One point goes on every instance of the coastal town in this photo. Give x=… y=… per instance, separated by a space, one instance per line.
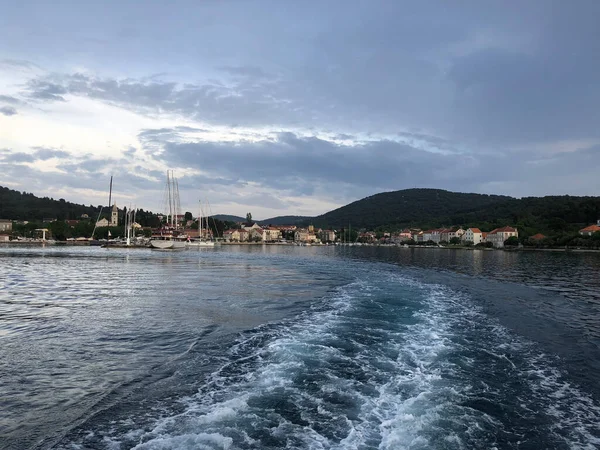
x=250 y=232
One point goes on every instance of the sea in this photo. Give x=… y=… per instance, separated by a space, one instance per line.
x=285 y=347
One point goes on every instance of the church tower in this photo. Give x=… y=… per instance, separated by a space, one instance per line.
x=114 y=218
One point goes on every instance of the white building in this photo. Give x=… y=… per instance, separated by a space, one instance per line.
x=5 y=225
x=499 y=235
x=473 y=235
x=102 y=223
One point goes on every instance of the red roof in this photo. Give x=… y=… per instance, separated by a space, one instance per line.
x=537 y=237
x=475 y=230
x=592 y=228
x=503 y=230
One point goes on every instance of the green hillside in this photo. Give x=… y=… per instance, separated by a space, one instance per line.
x=286 y=220
x=17 y=205
x=228 y=218
x=433 y=208
x=409 y=207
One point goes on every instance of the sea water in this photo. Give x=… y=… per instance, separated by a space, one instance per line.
x=274 y=347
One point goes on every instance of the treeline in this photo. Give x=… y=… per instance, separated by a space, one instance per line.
x=15 y=205
x=23 y=206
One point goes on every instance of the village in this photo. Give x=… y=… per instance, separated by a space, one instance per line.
x=250 y=232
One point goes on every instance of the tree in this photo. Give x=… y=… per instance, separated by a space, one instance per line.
x=455 y=241
x=248 y=217
x=512 y=241
x=188 y=216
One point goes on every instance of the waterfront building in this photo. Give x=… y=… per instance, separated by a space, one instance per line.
x=327 y=235
x=272 y=234
x=588 y=231
x=499 y=235
x=5 y=225
x=473 y=235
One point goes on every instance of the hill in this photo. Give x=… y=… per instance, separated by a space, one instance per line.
x=228 y=218
x=17 y=205
x=286 y=220
x=407 y=207
x=433 y=208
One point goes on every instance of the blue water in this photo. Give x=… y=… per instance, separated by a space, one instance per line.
x=303 y=347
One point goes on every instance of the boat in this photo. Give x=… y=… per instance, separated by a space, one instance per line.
x=205 y=236
x=170 y=236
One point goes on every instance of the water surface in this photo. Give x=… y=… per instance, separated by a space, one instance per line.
x=298 y=347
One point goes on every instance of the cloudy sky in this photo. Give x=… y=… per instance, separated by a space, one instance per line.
x=280 y=107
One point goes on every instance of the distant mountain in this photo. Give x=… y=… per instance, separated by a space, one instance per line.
x=286 y=220
x=229 y=218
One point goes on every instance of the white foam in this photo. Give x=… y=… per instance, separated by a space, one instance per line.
x=402 y=389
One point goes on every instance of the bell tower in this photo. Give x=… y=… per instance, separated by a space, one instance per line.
x=114 y=218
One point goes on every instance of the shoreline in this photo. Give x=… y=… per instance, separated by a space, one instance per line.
x=292 y=244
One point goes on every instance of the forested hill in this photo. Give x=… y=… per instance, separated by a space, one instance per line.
x=406 y=207
x=432 y=208
x=17 y=205
x=286 y=220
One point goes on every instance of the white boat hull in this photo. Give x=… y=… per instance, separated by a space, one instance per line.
x=167 y=244
x=201 y=244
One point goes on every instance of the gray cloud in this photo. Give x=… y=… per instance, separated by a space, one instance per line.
x=472 y=97
x=42 y=153
x=7 y=156
x=9 y=99
x=39 y=89
x=8 y=110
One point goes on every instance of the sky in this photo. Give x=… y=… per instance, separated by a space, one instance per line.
x=280 y=107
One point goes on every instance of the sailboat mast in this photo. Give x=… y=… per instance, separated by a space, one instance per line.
x=110 y=192
x=176 y=202
x=169 y=199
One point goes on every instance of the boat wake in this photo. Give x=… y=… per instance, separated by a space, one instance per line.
x=383 y=362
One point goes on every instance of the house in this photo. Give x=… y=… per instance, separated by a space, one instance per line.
x=71 y=222
x=304 y=235
x=327 y=235
x=499 y=235
x=231 y=235
x=473 y=235
x=272 y=234
x=257 y=234
x=427 y=235
x=244 y=235
x=367 y=236
x=4 y=238
x=537 y=237
x=405 y=235
x=102 y=222
x=301 y=235
x=5 y=225
x=588 y=231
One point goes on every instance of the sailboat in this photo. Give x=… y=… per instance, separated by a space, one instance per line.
x=203 y=231
x=170 y=236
